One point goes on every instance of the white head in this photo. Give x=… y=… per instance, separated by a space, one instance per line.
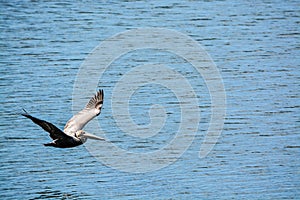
x=83 y=136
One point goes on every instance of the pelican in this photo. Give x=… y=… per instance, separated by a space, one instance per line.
x=73 y=135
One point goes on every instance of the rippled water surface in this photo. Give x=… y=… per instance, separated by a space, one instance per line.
x=256 y=48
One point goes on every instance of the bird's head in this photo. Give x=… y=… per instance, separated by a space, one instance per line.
x=83 y=136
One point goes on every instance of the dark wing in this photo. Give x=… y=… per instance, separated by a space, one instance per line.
x=55 y=133
x=91 y=110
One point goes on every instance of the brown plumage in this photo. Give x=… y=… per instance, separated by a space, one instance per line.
x=73 y=135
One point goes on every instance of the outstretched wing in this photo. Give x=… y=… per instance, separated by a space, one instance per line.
x=91 y=110
x=55 y=133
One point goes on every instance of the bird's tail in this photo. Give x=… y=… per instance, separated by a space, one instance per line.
x=50 y=144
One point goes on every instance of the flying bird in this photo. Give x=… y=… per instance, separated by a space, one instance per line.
x=73 y=135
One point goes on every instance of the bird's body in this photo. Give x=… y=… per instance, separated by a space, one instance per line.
x=73 y=135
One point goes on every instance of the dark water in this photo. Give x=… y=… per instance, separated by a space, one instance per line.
x=256 y=48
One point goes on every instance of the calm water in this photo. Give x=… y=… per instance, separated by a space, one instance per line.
x=256 y=48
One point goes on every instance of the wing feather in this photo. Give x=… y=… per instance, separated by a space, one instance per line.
x=55 y=133
x=91 y=110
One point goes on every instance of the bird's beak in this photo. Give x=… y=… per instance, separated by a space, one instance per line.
x=94 y=137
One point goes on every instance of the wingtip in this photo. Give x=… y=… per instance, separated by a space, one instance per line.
x=25 y=113
x=96 y=100
x=101 y=91
x=100 y=94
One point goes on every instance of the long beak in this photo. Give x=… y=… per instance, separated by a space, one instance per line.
x=94 y=137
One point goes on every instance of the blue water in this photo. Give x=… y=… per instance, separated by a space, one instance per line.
x=255 y=45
